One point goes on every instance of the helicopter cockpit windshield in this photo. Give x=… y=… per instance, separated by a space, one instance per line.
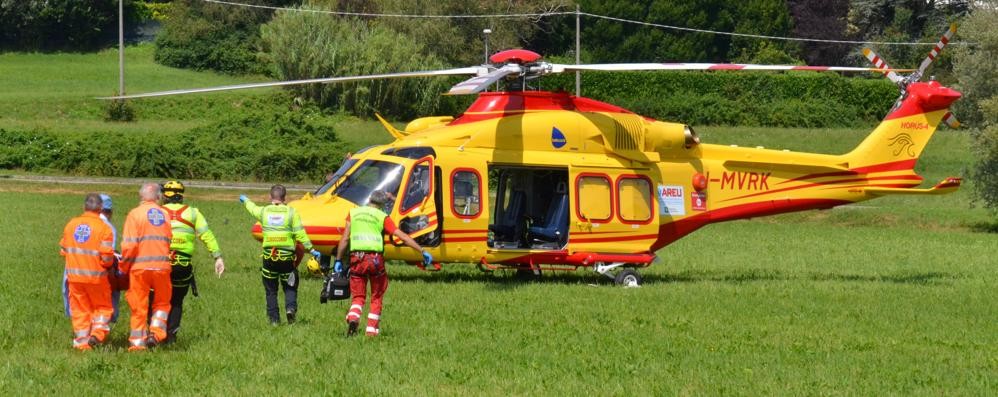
x=371 y=175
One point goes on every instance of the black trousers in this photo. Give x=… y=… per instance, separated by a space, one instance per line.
x=283 y=273
x=181 y=276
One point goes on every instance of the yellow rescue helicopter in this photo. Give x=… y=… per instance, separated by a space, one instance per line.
x=537 y=180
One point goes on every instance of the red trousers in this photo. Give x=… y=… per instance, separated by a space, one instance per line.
x=367 y=267
x=90 y=309
x=140 y=282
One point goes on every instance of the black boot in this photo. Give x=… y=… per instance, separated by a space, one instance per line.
x=352 y=328
x=291 y=316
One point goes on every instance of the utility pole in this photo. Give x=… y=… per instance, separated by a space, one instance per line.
x=121 y=48
x=486 y=32
x=578 y=76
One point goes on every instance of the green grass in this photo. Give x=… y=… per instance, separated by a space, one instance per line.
x=894 y=297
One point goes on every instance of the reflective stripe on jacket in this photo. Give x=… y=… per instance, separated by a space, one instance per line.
x=281 y=227
x=146 y=238
x=88 y=245
x=367 y=225
x=188 y=223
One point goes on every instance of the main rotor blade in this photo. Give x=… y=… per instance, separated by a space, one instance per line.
x=557 y=68
x=478 y=83
x=937 y=49
x=882 y=65
x=444 y=72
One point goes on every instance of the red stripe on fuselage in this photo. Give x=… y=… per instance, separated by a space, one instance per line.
x=892 y=166
x=835 y=182
x=574 y=239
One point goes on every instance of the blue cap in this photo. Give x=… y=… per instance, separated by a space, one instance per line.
x=107 y=201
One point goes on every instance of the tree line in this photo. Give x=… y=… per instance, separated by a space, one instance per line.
x=292 y=45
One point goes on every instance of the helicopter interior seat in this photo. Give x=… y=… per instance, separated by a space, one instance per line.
x=509 y=226
x=554 y=228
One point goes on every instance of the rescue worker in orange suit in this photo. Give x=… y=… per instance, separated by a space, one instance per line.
x=88 y=246
x=282 y=230
x=364 y=230
x=187 y=224
x=107 y=210
x=145 y=257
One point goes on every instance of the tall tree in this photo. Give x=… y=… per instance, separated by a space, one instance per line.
x=975 y=67
x=63 y=25
x=221 y=37
x=605 y=40
x=821 y=19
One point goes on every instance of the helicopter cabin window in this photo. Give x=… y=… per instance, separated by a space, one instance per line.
x=466 y=193
x=634 y=199
x=417 y=188
x=593 y=198
x=531 y=208
x=369 y=176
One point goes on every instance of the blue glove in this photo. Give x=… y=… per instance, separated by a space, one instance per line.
x=338 y=266
x=243 y=198
x=427 y=258
x=316 y=254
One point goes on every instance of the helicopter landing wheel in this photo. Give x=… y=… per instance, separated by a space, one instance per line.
x=628 y=278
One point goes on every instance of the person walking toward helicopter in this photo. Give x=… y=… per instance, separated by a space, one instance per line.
x=364 y=232
x=282 y=230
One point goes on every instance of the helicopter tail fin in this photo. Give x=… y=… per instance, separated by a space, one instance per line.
x=900 y=138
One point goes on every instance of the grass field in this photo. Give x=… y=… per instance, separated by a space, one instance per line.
x=55 y=92
x=895 y=296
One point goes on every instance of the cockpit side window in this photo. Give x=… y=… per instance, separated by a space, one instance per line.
x=417 y=188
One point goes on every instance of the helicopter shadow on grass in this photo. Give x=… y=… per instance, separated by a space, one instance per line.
x=985 y=227
x=506 y=279
x=763 y=275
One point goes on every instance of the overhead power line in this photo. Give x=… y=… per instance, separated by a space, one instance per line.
x=757 y=36
x=367 y=14
x=556 y=13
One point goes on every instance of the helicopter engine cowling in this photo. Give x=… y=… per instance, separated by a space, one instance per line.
x=668 y=139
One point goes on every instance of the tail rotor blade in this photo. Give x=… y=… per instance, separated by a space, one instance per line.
x=937 y=49
x=951 y=120
x=882 y=65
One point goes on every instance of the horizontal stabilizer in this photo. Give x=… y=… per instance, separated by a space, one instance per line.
x=948 y=185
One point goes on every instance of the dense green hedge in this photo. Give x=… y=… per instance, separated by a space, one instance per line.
x=800 y=99
x=255 y=146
